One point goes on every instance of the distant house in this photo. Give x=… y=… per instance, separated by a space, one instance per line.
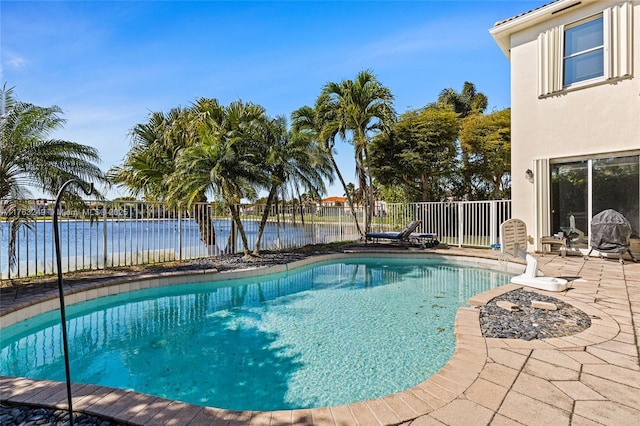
x=333 y=201
x=575 y=105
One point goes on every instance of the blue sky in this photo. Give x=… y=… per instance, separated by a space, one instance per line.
x=108 y=64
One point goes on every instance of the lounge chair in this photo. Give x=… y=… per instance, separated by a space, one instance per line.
x=513 y=242
x=402 y=236
x=424 y=239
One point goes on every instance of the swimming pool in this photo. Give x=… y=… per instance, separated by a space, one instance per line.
x=325 y=334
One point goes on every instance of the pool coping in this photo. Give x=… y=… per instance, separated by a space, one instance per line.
x=432 y=399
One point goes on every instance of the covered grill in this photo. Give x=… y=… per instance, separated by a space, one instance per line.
x=610 y=233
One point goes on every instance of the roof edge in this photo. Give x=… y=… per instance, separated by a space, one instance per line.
x=502 y=30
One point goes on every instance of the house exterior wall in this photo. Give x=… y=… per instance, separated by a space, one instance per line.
x=598 y=119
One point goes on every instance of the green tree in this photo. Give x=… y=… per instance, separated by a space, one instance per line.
x=293 y=159
x=465 y=103
x=351 y=190
x=152 y=158
x=486 y=144
x=361 y=109
x=29 y=157
x=226 y=161
x=468 y=101
x=418 y=154
x=317 y=122
x=394 y=194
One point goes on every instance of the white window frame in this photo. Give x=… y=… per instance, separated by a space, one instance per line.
x=583 y=52
x=618 y=51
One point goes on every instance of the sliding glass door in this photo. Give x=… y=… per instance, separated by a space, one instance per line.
x=584 y=188
x=616 y=185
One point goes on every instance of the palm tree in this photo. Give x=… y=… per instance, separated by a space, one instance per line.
x=225 y=161
x=362 y=107
x=30 y=158
x=152 y=160
x=351 y=190
x=317 y=123
x=293 y=158
x=468 y=101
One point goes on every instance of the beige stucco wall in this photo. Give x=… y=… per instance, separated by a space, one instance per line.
x=593 y=120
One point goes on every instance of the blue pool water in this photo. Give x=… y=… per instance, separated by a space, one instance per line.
x=327 y=334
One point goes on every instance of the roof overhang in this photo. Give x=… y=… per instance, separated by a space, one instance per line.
x=502 y=31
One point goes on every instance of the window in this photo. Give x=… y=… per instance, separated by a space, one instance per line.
x=583 y=51
x=598 y=48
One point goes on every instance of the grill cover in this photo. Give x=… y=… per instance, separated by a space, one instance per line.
x=610 y=232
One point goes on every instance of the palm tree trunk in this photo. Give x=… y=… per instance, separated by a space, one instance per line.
x=301 y=208
x=202 y=213
x=349 y=198
x=369 y=192
x=235 y=214
x=263 y=221
x=279 y=245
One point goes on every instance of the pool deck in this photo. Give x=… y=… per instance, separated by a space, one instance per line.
x=590 y=378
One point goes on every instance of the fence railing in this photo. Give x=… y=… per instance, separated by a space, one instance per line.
x=459 y=223
x=116 y=234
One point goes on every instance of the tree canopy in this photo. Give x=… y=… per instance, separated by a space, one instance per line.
x=418 y=154
x=450 y=149
x=230 y=153
x=359 y=109
x=486 y=143
x=29 y=157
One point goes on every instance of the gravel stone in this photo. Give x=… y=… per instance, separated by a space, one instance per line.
x=528 y=322
x=23 y=415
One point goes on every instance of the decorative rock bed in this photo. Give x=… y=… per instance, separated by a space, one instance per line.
x=512 y=316
x=26 y=415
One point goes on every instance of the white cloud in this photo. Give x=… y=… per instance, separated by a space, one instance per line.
x=12 y=60
x=458 y=34
x=16 y=61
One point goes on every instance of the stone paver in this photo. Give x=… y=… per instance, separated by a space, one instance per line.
x=607 y=412
x=542 y=390
x=487 y=394
x=591 y=378
x=463 y=412
x=530 y=411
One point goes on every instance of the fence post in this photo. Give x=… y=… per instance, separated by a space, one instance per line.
x=313 y=225
x=460 y=223
x=104 y=235
x=234 y=235
x=494 y=222
x=179 y=234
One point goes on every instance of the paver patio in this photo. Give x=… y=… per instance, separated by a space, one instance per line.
x=589 y=378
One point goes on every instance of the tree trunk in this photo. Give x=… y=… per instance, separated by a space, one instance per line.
x=235 y=214
x=265 y=217
x=369 y=193
x=301 y=208
x=349 y=198
x=202 y=217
